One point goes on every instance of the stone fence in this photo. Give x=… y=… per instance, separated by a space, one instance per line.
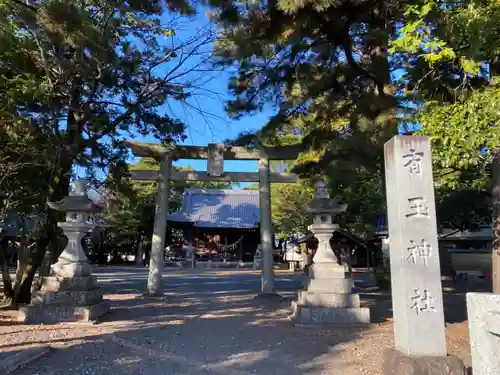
x=483 y=310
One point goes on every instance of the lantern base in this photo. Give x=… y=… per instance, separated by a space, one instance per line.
x=37 y=314
x=65 y=299
x=328 y=299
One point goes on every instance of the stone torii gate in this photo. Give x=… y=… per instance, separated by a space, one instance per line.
x=215 y=154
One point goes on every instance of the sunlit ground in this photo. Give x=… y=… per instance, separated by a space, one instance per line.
x=210 y=322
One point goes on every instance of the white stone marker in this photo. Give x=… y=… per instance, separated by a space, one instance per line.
x=417 y=298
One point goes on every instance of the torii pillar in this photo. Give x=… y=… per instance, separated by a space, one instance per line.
x=156 y=262
x=266 y=228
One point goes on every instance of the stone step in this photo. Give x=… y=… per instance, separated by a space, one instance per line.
x=56 y=283
x=309 y=299
x=32 y=314
x=67 y=297
x=344 y=317
x=337 y=285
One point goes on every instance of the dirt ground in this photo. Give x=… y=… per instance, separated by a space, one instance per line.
x=310 y=350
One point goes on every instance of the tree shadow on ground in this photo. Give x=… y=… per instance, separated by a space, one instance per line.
x=212 y=324
x=203 y=329
x=455 y=307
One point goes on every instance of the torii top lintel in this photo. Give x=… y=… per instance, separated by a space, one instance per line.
x=157 y=151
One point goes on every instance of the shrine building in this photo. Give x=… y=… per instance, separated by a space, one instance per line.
x=219 y=224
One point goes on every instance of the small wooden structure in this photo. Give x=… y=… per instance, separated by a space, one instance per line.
x=218 y=224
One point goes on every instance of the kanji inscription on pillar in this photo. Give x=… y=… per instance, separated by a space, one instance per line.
x=215 y=159
x=418 y=207
x=422 y=302
x=419 y=252
x=413 y=161
x=417 y=298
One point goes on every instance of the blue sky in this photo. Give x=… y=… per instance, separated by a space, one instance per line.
x=204 y=115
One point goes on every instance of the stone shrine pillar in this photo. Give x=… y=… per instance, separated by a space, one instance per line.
x=257 y=259
x=327 y=297
x=266 y=228
x=417 y=299
x=70 y=293
x=157 y=261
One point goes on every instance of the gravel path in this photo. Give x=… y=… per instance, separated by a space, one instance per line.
x=210 y=323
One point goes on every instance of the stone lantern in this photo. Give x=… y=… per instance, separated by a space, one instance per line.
x=324 y=210
x=328 y=296
x=70 y=293
x=257 y=258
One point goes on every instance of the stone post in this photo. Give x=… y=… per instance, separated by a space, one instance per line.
x=156 y=261
x=266 y=227
x=417 y=299
x=257 y=258
x=483 y=312
x=328 y=298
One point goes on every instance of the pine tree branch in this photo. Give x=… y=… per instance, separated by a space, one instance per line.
x=25 y=5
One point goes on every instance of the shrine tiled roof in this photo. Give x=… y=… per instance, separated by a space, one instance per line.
x=219 y=208
x=380 y=225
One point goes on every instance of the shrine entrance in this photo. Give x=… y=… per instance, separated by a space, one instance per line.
x=217 y=225
x=215 y=154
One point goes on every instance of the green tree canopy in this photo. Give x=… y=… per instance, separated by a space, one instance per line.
x=80 y=77
x=348 y=75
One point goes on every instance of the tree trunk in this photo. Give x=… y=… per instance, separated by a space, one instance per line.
x=49 y=235
x=23 y=255
x=140 y=252
x=8 y=291
x=495 y=199
x=19 y=277
x=147 y=255
x=29 y=270
x=378 y=46
x=495 y=166
x=46 y=263
x=50 y=256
